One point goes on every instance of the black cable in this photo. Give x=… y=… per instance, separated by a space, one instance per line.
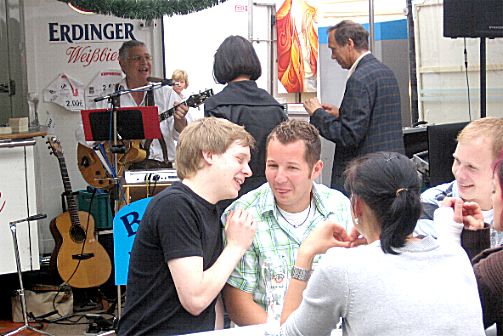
x=68 y=195
x=85 y=238
x=60 y=289
x=467 y=82
x=155 y=178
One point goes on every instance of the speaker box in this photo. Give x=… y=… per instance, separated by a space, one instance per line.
x=473 y=18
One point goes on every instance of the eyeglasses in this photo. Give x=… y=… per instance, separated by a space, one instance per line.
x=138 y=58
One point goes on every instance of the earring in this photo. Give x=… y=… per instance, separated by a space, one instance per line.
x=357 y=222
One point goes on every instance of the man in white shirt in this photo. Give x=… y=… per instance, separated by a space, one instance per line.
x=136 y=62
x=479 y=144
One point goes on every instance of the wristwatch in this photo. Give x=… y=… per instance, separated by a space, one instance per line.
x=300 y=273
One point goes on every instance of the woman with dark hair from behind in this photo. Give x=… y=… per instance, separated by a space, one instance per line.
x=394 y=285
x=241 y=101
x=466 y=225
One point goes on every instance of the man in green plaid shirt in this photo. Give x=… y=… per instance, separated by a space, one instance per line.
x=286 y=209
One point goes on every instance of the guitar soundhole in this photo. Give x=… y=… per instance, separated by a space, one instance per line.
x=78 y=234
x=85 y=162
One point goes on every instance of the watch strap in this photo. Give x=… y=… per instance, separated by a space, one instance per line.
x=301 y=274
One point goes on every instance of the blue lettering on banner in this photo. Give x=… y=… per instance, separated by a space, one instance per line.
x=126 y=223
x=77 y=33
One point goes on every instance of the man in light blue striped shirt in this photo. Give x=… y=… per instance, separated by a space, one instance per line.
x=286 y=209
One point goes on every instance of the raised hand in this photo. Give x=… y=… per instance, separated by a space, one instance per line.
x=468 y=213
x=472 y=216
x=311 y=105
x=240 y=228
x=324 y=236
x=331 y=109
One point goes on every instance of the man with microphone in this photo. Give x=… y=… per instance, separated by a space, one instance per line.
x=136 y=63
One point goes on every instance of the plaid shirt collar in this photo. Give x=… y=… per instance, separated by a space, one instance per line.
x=268 y=205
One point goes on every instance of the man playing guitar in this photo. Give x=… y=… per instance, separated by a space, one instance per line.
x=136 y=63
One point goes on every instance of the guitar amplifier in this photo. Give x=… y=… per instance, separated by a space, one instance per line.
x=150 y=176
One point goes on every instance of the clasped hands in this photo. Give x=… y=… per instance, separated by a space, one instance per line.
x=330 y=234
x=467 y=213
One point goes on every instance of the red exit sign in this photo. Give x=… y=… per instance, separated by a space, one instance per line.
x=240 y=8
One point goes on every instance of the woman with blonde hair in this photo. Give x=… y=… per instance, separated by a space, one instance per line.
x=182 y=78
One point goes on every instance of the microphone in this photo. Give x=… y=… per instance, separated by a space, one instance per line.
x=163 y=81
x=31 y=218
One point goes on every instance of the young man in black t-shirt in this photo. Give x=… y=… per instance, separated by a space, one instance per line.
x=178 y=263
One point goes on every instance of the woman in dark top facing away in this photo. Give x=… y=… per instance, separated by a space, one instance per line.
x=236 y=64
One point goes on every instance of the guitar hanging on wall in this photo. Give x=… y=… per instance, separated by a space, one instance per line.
x=80 y=259
x=93 y=168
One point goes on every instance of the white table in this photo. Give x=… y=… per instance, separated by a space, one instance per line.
x=255 y=330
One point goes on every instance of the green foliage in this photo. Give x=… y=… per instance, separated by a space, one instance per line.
x=143 y=9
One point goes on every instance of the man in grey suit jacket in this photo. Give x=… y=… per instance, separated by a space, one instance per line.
x=369 y=118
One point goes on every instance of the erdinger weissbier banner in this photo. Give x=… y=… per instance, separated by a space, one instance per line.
x=297 y=29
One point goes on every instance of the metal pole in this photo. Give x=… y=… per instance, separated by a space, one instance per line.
x=371 y=25
x=250 y=20
x=21 y=291
x=482 y=77
x=18 y=265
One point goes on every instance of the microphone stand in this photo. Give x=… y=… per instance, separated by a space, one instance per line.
x=13 y=229
x=118 y=93
x=114 y=99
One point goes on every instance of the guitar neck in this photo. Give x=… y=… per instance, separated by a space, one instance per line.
x=193 y=101
x=166 y=114
x=70 y=198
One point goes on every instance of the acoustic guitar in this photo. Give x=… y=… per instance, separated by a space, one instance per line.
x=80 y=259
x=91 y=167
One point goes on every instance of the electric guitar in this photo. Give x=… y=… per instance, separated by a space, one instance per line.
x=80 y=259
x=92 y=168
x=193 y=101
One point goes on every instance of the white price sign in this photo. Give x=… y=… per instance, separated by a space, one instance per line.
x=102 y=84
x=66 y=92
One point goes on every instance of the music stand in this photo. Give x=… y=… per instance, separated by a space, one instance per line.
x=133 y=123
x=128 y=123
x=25 y=326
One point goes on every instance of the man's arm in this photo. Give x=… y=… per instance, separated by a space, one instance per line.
x=179 y=115
x=430 y=201
x=351 y=126
x=180 y=121
x=324 y=236
x=196 y=288
x=241 y=307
